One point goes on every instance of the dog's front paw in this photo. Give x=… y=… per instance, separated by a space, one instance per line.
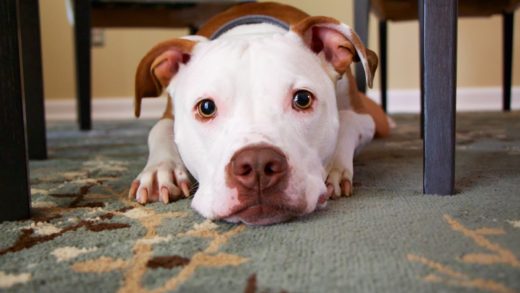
x=165 y=181
x=341 y=181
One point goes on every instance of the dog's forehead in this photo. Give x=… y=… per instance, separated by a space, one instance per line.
x=261 y=63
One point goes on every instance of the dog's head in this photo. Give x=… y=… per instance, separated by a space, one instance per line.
x=256 y=119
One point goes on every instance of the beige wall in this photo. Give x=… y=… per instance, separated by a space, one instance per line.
x=113 y=66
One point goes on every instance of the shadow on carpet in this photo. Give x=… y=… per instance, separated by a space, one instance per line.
x=85 y=236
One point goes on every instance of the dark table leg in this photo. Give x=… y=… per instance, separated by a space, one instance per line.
x=33 y=78
x=83 y=74
x=440 y=57
x=383 y=51
x=508 y=25
x=14 y=174
x=361 y=13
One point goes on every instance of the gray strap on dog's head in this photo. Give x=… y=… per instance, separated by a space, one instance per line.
x=249 y=19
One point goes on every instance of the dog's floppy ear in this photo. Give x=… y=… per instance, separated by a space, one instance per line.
x=158 y=67
x=339 y=43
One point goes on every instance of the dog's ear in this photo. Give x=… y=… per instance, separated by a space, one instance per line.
x=338 y=42
x=373 y=61
x=158 y=67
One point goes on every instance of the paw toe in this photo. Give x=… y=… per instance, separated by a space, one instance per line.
x=133 y=189
x=142 y=195
x=346 y=187
x=341 y=184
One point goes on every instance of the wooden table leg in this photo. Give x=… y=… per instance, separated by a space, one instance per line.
x=83 y=67
x=33 y=78
x=361 y=13
x=14 y=174
x=440 y=57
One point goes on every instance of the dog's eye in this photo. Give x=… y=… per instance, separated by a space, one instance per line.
x=207 y=109
x=302 y=100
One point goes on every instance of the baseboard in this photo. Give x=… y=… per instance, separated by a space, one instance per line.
x=399 y=101
x=113 y=108
x=468 y=99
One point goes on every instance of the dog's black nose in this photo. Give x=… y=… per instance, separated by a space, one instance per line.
x=259 y=167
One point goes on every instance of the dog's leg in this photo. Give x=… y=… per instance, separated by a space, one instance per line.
x=164 y=177
x=354 y=132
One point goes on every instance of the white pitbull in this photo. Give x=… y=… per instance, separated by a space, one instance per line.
x=267 y=115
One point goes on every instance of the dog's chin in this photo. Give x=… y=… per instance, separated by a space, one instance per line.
x=261 y=214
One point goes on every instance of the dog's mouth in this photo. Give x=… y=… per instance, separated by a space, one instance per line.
x=262 y=214
x=269 y=212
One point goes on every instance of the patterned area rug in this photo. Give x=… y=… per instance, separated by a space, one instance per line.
x=85 y=236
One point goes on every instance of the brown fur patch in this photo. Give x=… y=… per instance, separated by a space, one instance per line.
x=364 y=105
x=286 y=13
x=146 y=83
x=303 y=27
x=167 y=262
x=168 y=112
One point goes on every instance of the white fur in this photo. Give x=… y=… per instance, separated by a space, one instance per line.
x=356 y=131
x=254 y=106
x=163 y=161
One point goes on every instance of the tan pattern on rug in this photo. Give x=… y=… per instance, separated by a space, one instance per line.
x=499 y=255
x=85 y=236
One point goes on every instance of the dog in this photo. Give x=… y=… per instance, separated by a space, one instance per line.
x=263 y=112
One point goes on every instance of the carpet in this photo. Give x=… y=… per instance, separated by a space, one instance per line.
x=85 y=236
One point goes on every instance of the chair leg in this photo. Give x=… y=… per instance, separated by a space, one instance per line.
x=193 y=29
x=33 y=78
x=383 y=50
x=508 y=25
x=361 y=12
x=14 y=174
x=421 y=64
x=83 y=74
x=440 y=57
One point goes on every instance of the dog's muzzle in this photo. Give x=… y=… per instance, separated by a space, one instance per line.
x=260 y=174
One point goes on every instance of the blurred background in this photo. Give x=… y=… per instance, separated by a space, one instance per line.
x=115 y=59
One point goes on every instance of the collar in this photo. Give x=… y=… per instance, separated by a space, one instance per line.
x=249 y=19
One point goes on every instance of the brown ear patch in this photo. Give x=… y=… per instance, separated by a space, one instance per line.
x=337 y=50
x=302 y=27
x=373 y=61
x=158 y=67
x=339 y=43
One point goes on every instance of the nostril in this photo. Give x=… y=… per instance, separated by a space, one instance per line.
x=272 y=168
x=244 y=170
x=258 y=167
x=268 y=170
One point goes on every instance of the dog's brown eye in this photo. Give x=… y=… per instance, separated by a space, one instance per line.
x=302 y=100
x=207 y=108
